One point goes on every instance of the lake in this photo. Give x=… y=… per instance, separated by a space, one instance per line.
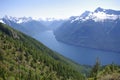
x=80 y=55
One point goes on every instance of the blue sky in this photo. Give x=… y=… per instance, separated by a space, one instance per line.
x=53 y=8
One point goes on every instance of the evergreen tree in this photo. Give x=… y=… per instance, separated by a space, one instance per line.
x=95 y=69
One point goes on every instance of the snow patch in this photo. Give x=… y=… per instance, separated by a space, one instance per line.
x=2 y=21
x=23 y=19
x=97 y=17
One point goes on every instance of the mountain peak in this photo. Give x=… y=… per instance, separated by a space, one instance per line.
x=85 y=14
x=99 y=9
x=8 y=17
x=100 y=14
x=107 y=11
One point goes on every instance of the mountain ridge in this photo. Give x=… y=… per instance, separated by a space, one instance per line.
x=98 y=15
x=94 y=30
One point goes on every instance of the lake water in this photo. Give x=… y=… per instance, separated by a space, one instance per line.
x=80 y=55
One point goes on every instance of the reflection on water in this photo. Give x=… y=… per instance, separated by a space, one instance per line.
x=78 y=54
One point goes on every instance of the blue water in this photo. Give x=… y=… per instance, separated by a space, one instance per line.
x=80 y=55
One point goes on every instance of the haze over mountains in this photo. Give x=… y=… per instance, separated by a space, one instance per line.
x=98 y=29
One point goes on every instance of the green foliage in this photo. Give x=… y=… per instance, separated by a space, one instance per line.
x=95 y=70
x=108 y=72
x=24 y=58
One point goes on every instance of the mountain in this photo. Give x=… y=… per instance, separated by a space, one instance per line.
x=98 y=29
x=11 y=21
x=24 y=58
x=52 y=24
x=17 y=20
x=34 y=27
x=26 y=25
x=30 y=26
x=107 y=11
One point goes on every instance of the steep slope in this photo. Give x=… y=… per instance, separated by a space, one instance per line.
x=23 y=58
x=13 y=24
x=98 y=29
x=52 y=24
x=34 y=27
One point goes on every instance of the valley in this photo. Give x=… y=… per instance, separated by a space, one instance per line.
x=81 y=55
x=81 y=38
x=85 y=47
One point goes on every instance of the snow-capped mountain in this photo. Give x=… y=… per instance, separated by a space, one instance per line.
x=2 y=21
x=26 y=25
x=32 y=26
x=49 y=23
x=23 y=19
x=12 y=21
x=99 y=29
x=98 y=15
x=16 y=20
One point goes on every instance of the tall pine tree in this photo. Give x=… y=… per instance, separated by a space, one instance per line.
x=95 y=69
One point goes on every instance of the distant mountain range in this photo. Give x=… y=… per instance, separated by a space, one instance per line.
x=31 y=26
x=25 y=25
x=99 y=29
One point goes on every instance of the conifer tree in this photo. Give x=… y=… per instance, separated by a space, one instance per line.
x=95 y=69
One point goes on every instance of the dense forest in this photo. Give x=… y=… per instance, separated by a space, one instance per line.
x=24 y=58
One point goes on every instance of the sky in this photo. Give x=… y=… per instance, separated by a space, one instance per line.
x=53 y=8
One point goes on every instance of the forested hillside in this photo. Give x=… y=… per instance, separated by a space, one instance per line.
x=23 y=58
